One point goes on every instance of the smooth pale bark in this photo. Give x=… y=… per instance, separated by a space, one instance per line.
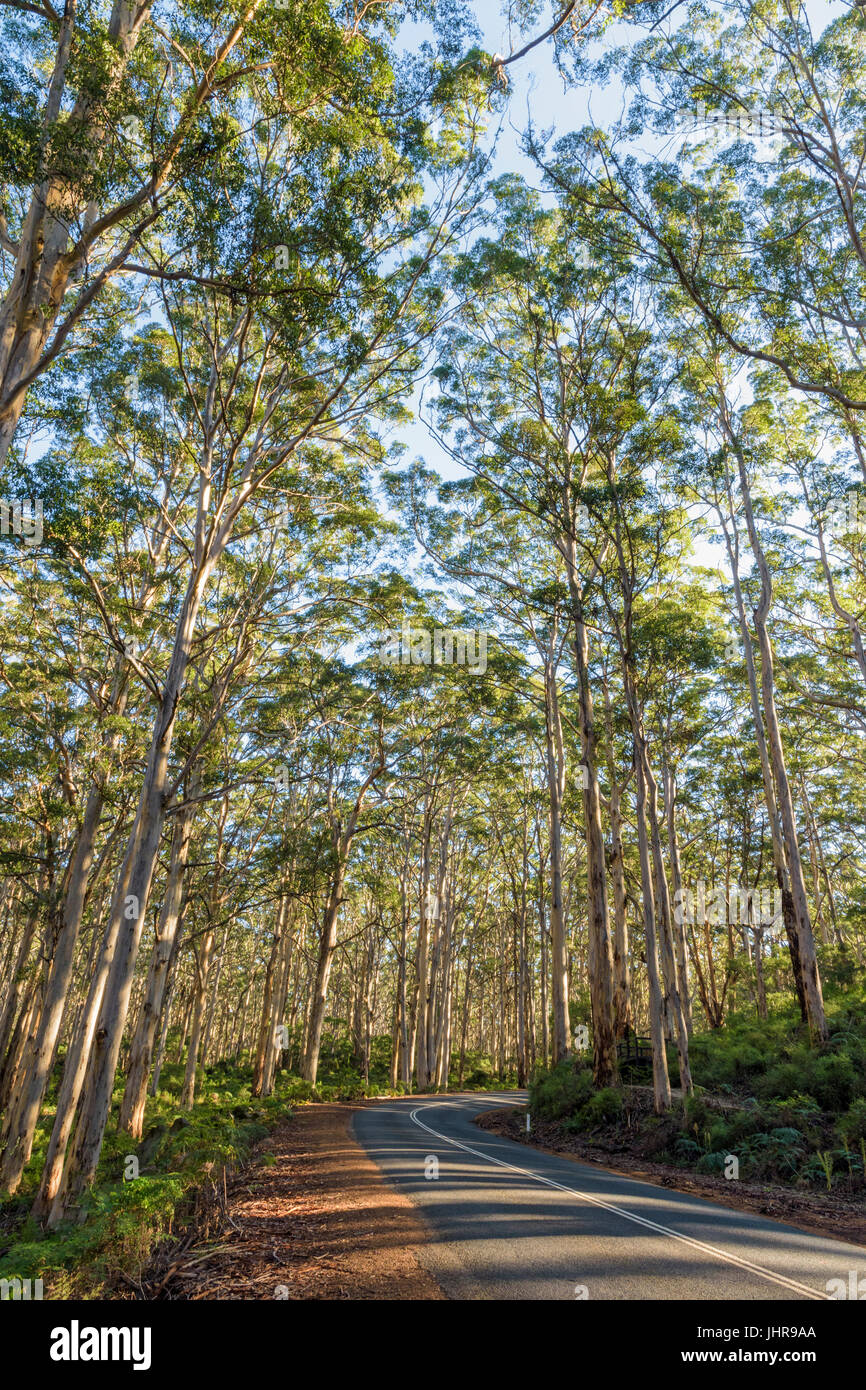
x=780 y=863
x=212 y=1012
x=443 y=1036
x=20 y=983
x=555 y=768
x=268 y=1023
x=328 y=938
x=543 y=953
x=464 y=1030
x=678 y=928
x=202 y=959
x=405 y=1062
x=663 y=988
x=166 y=1021
x=128 y=909
x=327 y=947
x=805 y=939
x=394 y=1065
x=10 y=893
x=164 y=947
x=673 y=996
x=422 y=1068
x=45 y=262
x=22 y=1034
x=75 y=1069
x=58 y=990
x=273 y=1003
x=135 y=877
x=623 y=1019
x=815 y=858
x=600 y=947
x=438 y=918
x=661 y=1079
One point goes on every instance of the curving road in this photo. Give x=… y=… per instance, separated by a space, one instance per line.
x=509 y=1222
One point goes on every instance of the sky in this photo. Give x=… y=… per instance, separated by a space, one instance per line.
x=537 y=92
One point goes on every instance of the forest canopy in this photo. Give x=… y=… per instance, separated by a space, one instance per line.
x=432 y=569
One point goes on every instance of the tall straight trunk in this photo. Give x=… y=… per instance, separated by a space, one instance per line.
x=779 y=854
x=213 y=1011
x=814 y=844
x=413 y=1030
x=48 y=1204
x=805 y=941
x=432 y=983
x=20 y=982
x=758 y=940
x=422 y=969
x=520 y=993
x=128 y=909
x=616 y=866
x=394 y=1065
x=438 y=944
x=405 y=1066
x=202 y=964
x=600 y=947
x=23 y=1116
x=10 y=895
x=678 y=928
x=166 y=1023
x=328 y=939
x=78 y=884
x=661 y=1080
x=665 y=922
x=22 y=1034
x=555 y=791
x=464 y=1028
x=165 y=945
x=274 y=1049
x=268 y=1022
x=543 y=957
x=327 y=947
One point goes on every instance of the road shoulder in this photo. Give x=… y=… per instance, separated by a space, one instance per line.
x=311 y=1217
x=814 y=1215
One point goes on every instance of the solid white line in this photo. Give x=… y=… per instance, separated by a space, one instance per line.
x=768 y=1274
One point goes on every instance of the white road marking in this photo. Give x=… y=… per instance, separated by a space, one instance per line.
x=767 y=1274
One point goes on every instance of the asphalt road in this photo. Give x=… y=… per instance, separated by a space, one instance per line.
x=509 y=1222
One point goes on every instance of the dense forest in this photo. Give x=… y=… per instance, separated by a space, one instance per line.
x=433 y=595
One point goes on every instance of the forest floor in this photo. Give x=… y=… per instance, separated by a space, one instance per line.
x=309 y=1217
x=838 y=1215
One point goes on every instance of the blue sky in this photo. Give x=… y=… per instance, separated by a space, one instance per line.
x=537 y=91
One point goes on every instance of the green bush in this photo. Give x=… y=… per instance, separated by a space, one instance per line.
x=559 y=1092
x=853 y=1123
x=833 y=1081
x=687 y=1150
x=712 y=1162
x=603 y=1107
x=783 y=1080
x=697 y=1112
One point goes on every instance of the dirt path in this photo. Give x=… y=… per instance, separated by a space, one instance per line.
x=310 y=1218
